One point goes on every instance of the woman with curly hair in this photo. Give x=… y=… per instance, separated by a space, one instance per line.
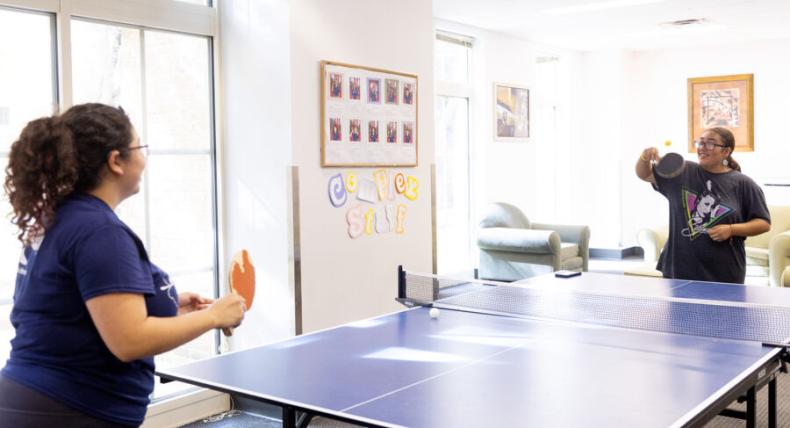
x=90 y=309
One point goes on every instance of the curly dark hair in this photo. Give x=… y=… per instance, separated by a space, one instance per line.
x=57 y=156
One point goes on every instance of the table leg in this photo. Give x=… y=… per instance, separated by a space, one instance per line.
x=772 y=403
x=289 y=417
x=751 y=408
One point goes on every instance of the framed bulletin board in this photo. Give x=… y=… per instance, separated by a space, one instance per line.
x=724 y=101
x=368 y=116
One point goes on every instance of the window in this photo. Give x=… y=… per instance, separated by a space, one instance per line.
x=453 y=192
x=453 y=55
x=163 y=80
x=27 y=91
x=200 y=2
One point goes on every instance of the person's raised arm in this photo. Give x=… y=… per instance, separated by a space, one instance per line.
x=130 y=334
x=644 y=165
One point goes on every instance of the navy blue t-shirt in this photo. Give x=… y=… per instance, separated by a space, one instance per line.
x=57 y=350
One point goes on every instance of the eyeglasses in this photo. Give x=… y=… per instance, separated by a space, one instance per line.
x=143 y=149
x=707 y=145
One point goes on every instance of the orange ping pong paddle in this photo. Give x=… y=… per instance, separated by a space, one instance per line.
x=242 y=281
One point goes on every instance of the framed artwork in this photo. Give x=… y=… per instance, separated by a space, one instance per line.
x=368 y=116
x=511 y=112
x=725 y=101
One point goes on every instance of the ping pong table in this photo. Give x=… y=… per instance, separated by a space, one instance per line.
x=567 y=360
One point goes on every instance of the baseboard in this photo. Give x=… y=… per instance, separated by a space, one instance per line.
x=616 y=253
x=186 y=408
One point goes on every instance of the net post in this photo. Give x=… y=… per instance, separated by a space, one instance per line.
x=401 y=282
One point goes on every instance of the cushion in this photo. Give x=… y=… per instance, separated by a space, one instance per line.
x=519 y=240
x=756 y=256
x=568 y=250
x=573 y=263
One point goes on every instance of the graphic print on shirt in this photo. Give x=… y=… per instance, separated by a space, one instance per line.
x=29 y=255
x=163 y=284
x=703 y=211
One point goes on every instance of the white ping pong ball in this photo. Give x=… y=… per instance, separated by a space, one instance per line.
x=434 y=312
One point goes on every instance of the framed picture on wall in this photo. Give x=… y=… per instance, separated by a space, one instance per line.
x=371 y=123
x=511 y=112
x=722 y=101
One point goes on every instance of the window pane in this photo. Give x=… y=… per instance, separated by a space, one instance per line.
x=26 y=74
x=163 y=80
x=203 y=2
x=10 y=250
x=106 y=66
x=27 y=91
x=452 y=176
x=177 y=91
x=452 y=62
x=180 y=207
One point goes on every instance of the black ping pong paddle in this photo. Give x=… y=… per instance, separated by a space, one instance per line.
x=669 y=166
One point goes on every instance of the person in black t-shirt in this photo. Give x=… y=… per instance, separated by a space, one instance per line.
x=713 y=207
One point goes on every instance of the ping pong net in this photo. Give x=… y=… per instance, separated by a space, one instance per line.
x=767 y=324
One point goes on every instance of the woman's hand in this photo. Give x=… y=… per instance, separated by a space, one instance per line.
x=649 y=154
x=721 y=232
x=228 y=311
x=644 y=165
x=190 y=302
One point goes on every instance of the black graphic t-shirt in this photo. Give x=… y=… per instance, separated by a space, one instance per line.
x=698 y=201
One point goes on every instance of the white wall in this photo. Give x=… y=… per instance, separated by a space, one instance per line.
x=533 y=175
x=595 y=147
x=256 y=152
x=345 y=279
x=655 y=94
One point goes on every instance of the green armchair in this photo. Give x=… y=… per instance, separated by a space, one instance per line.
x=513 y=248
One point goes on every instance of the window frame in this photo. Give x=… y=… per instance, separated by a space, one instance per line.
x=165 y=15
x=466 y=91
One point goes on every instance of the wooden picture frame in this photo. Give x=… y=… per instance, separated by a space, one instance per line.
x=369 y=116
x=725 y=101
x=512 y=111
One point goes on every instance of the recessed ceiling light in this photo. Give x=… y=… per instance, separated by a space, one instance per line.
x=589 y=7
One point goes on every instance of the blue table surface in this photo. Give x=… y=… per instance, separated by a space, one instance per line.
x=635 y=285
x=468 y=369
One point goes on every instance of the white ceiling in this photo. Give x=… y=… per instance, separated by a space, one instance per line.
x=637 y=27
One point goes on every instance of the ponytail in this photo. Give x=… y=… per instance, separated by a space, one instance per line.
x=732 y=163
x=57 y=156
x=41 y=172
x=728 y=139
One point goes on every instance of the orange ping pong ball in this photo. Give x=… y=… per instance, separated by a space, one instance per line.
x=667 y=143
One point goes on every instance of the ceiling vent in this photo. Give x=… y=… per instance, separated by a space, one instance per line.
x=685 y=22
